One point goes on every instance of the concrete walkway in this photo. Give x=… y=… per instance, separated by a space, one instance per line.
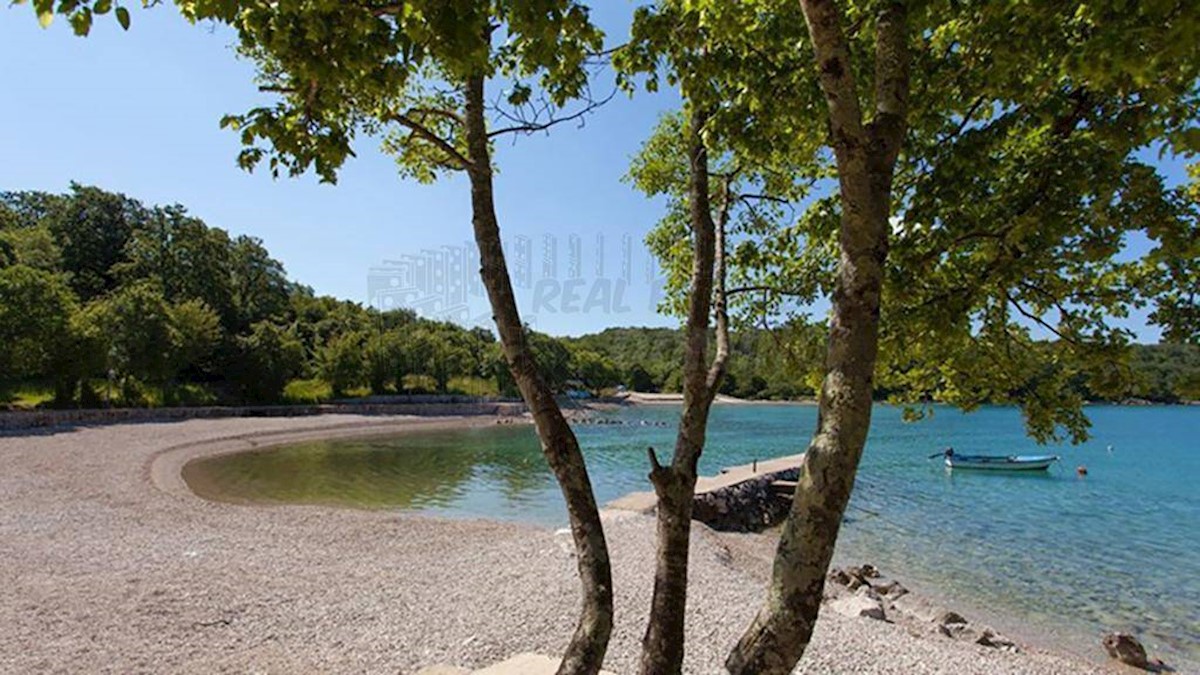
x=644 y=502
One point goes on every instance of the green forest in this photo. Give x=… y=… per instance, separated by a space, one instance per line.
x=107 y=301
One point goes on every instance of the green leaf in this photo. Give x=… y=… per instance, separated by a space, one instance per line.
x=102 y=7
x=45 y=18
x=81 y=22
x=123 y=17
x=520 y=93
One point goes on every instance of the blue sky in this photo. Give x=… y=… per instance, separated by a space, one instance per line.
x=137 y=112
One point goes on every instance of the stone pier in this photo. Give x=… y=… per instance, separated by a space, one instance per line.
x=739 y=499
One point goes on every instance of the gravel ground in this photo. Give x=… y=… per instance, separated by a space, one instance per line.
x=108 y=564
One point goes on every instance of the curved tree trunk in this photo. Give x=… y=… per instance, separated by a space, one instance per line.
x=866 y=156
x=782 y=629
x=585 y=654
x=662 y=645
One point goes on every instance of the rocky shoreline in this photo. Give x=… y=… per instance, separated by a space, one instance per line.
x=862 y=591
x=109 y=569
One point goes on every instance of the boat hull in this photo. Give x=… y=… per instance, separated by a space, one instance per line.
x=1012 y=463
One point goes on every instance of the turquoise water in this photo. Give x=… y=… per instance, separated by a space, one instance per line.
x=1118 y=549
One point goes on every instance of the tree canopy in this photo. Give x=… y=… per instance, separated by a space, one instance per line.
x=1023 y=194
x=988 y=178
x=185 y=305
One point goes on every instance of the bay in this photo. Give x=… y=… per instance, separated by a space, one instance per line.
x=1054 y=552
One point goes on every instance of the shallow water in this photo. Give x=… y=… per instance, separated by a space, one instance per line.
x=1116 y=550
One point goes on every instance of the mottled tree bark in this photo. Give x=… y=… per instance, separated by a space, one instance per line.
x=866 y=156
x=674 y=484
x=585 y=653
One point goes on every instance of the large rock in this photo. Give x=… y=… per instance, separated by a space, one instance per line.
x=838 y=576
x=990 y=638
x=1126 y=649
x=917 y=607
x=955 y=625
x=950 y=617
x=863 y=572
x=854 y=577
x=859 y=605
x=893 y=589
x=869 y=592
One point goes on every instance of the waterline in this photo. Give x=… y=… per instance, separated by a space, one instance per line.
x=1116 y=550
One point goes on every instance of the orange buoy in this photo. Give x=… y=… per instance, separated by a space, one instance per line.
x=1081 y=470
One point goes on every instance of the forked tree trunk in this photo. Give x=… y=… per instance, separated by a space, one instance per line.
x=662 y=645
x=866 y=156
x=585 y=654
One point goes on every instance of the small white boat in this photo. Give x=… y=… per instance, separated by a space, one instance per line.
x=1001 y=463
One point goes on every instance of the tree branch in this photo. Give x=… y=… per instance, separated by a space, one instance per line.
x=422 y=131
x=439 y=112
x=766 y=289
x=390 y=9
x=1068 y=317
x=1039 y=320
x=655 y=466
x=760 y=197
x=720 y=302
x=530 y=127
x=1065 y=125
x=967 y=116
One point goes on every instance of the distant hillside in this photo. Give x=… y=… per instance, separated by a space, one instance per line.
x=766 y=366
x=107 y=301
x=762 y=365
x=1166 y=373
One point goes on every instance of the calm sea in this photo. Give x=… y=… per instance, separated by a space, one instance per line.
x=1053 y=552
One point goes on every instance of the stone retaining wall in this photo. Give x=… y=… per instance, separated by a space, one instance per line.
x=375 y=399
x=748 y=506
x=17 y=420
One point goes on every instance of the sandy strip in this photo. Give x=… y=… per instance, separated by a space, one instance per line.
x=165 y=468
x=109 y=566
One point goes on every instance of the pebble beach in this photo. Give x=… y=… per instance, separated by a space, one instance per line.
x=111 y=565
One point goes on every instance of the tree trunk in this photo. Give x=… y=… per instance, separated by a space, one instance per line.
x=585 y=654
x=866 y=156
x=779 y=634
x=662 y=645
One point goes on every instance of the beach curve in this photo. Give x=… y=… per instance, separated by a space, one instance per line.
x=111 y=568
